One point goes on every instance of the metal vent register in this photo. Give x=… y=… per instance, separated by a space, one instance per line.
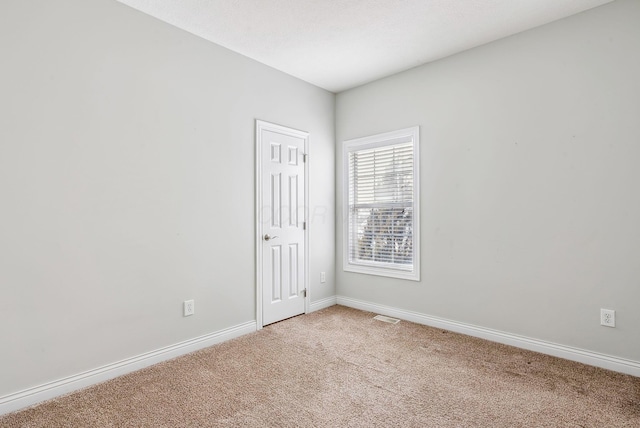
x=386 y=319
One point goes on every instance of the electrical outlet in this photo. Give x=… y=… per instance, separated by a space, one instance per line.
x=189 y=307
x=608 y=317
x=323 y=277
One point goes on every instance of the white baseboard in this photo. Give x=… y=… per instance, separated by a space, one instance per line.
x=323 y=303
x=31 y=396
x=575 y=354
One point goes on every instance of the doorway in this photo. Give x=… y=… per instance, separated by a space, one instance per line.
x=281 y=223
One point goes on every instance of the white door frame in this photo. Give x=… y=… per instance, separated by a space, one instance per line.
x=260 y=126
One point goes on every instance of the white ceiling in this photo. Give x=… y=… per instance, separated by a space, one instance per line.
x=339 y=44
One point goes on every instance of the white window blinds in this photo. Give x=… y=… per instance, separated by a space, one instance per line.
x=381 y=204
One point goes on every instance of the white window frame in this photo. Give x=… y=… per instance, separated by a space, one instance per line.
x=380 y=140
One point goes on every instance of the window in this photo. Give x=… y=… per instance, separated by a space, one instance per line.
x=381 y=230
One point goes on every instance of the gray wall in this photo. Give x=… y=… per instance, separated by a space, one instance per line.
x=127 y=184
x=530 y=150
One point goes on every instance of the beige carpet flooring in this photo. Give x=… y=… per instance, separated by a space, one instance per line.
x=341 y=368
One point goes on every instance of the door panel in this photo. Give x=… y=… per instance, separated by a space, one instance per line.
x=283 y=235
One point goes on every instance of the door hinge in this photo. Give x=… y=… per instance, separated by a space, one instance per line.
x=304 y=225
x=304 y=157
x=304 y=293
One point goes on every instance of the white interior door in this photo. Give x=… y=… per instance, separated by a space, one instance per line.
x=281 y=240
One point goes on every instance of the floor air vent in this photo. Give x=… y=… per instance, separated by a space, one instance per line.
x=386 y=319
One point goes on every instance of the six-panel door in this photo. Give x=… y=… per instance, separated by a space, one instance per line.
x=282 y=218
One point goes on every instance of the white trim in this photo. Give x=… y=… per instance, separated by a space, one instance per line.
x=307 y=223
x=49 y=390
x=260 y=126
x=567 y=352
x=323 y=303
x=379 y=140
x=259 y=252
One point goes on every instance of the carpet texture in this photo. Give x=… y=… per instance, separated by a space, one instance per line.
x=341 y=368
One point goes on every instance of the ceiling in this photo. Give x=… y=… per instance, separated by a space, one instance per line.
x=340 y=44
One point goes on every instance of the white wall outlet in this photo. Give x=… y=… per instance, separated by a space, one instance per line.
x=323 y=277
x=608 y=317
x=189 y=307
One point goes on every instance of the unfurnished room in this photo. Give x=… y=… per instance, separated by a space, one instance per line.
x=319 y=213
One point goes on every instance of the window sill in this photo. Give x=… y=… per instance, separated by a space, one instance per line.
x=382 y=271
